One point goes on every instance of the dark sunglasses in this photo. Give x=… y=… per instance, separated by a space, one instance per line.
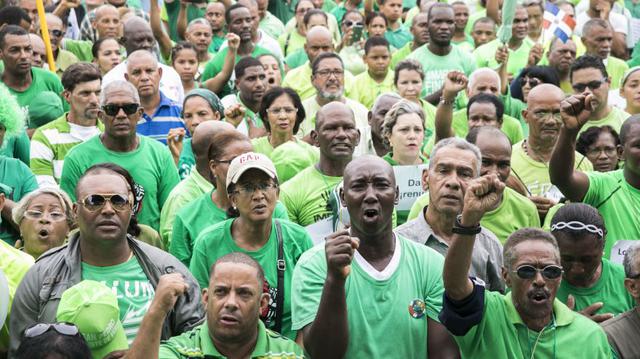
x=349 y=23
x=95 y=202
x=529 y=272
x=533 y=82
x=41 y=328
x=113 y=109
x=56 y=33
x=593 y=85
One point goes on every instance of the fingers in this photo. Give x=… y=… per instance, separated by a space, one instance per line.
x=599 y=318
x=571 y=302
x=339 y=249
x=590 y=310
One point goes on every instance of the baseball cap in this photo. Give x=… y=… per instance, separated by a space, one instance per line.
x=46 y=107
x=247 y=161
x=93 y=308
x=290 y=158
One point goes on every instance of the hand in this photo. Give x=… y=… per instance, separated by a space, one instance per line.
x=535 y=55
x=543 y=204
x=502 y=55
x=483 y=194
x=175 y=139
x=234 y=114
x=575 y=111
x=339 y=248
x=347 y=38
x=69 y=4
x=604 y=8
x=169 y=288
x=233 y=41
x=454 y=82
x=590 y=311
x=18 y=244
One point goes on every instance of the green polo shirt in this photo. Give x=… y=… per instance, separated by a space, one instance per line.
x=365 y=89
x=502 y=334
x=486 y=55
x=197 y=343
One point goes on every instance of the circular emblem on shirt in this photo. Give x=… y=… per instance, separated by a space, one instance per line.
x=417 y=308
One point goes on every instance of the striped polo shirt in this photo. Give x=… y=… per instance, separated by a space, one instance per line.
x=168 y=115
x=50 y=145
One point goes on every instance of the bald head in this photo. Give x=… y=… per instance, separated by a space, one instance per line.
x=331 y=110
x=137 y=35
x=483 y=80
x=205 y=133
x=318 y=32
x=106 y=10
x=544 y=92
x=141 y=57
x=370 y=162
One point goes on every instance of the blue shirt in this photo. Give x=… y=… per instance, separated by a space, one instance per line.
x=167 y=116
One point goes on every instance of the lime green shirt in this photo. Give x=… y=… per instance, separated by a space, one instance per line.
x=401 y=54
x=187 y=160
x=197 y=215
x=615 y=69
x=216 y=241
x=365 y=89
x=14 y=264
x=133 y=289
x=296 y=59
x=486 y=55
x=197 y=343
x=609 y=289
x=271 y=25
x=479 y=13
x=615 y=118
x=291 y=42
x=502 y=334
x=379 y=304
x=535 y=175
x=437 y=67
x=306 y=196
x=287 y=166
x=618 y=203
x=80 y=48
x=514 y=212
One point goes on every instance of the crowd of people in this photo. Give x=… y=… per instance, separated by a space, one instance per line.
x=319 y=179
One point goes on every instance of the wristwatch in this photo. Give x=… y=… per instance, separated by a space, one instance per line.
x=458 y=228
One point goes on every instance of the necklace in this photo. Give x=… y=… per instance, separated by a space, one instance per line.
x=529 y=152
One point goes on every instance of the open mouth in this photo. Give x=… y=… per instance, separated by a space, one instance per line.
x=370 y=213
x=539 y=297
x=43 y=233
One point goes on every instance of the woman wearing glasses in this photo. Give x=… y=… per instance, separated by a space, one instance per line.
x=351 y=47
x=600 y=146
x=252 y=184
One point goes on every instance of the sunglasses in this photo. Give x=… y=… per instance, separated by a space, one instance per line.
x=41 y=328
x=533 y=82
x=529 y=272
x=349 y=23
x=95 y=202
x=113 y=109
x=56 y=33
x=593 y=85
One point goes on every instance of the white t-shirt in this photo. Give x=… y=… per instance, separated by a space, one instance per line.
x=618 y=22
x=170 y=83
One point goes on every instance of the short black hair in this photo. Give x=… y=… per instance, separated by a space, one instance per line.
x=626 y=127
x=324 y=56
x=439 y=5
x=271 y=95
x=579 y=212
x=239 y=257
x=182 y=45
x=95 y=48
x=11 y=30
x=52 y=343
x=244 y=63
x=409 y=65
x=590 y=136
x=372 y=15
x=375 y=41
x=488 y=98
x=13 y=15
x=484 y=20
x=588 y=62
x=547 y=74
x=314 y=12
x=78 y=73
x=227 y=14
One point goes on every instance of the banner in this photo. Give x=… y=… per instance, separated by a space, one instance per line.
x=409 y=181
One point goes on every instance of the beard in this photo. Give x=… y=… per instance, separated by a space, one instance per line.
x=332 y=95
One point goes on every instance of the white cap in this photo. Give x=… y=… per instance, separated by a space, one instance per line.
x=247 y=161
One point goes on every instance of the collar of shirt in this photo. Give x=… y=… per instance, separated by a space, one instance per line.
x=563 y=315
x=200 y=181
x=164 y=102
x=209 y=349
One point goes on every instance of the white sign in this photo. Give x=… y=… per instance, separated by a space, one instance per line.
x=409 y=181
x=619 y=249
x=320 y=230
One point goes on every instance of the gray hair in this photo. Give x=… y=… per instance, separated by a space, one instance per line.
x=198 y=21
x=483 y=70
x=630 y=261
x=402 y=107
x=118 y=85
x=394 y=95
x=526 y=234
x=17 y=214
x=459 y=143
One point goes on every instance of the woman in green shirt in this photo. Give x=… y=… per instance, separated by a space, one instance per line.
x=403 y=130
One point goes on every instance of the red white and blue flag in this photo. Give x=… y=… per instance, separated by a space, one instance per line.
x=557 y=23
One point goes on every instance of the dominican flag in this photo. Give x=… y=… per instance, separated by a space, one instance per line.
x=557 y=23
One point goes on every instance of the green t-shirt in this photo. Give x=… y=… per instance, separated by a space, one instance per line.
x=173 y=9
x=535 y=175
x=437 y=67
x=287 y=164
x=615 y=69
x=187 y=160
x=296 y=59
x=479 y=13
x=271 y=25
x=196 y=216
x=80 y=48
x=513 y=107
x=365 y=89
x=291 y=42
x=197 y=343
x=398 y=37
x=609 y=290
x=132 y=287
x=150 y=165
x=401 y=54
x=214 y=66
x=618 y=203
x=615 y=118
x=486 y=56
x=514 y=212
x=216 y=43
x=16 y=180
x=306 y=196
x=502 y=334
x=42 y=80
x=380 y=304
x=17 y=147
x=216 y=241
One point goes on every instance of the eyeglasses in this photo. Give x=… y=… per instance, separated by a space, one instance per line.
x=303 y=11
x=328 y=73
x=54 y=216
x=282 y=110
x=95 y=202
x=545 y=114
x=593 y=85
x=349 y=23
x=533 y=82
x=113 y=109
x=56 y=33
x=41 y=328
x=250 y=188
x=609 y=151
x=529 y=272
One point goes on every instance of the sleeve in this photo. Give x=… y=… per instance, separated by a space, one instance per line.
x=307 y=284
x=178 y=245
x=199 y=265
x=280 y=211
x=29 y=183
x=188 y=311
x=460 y=316
x=213 y=66
x=24 y=308
x=597 y=188
x=435 y=288
x=41 y=162
x=288 y=202
x=70 y=174
x=169 y=177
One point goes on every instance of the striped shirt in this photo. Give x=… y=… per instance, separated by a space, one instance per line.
x=50 y=145
x=168 y=115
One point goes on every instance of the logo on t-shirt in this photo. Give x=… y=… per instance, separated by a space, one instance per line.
x=269 y=317
x=417 y=308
